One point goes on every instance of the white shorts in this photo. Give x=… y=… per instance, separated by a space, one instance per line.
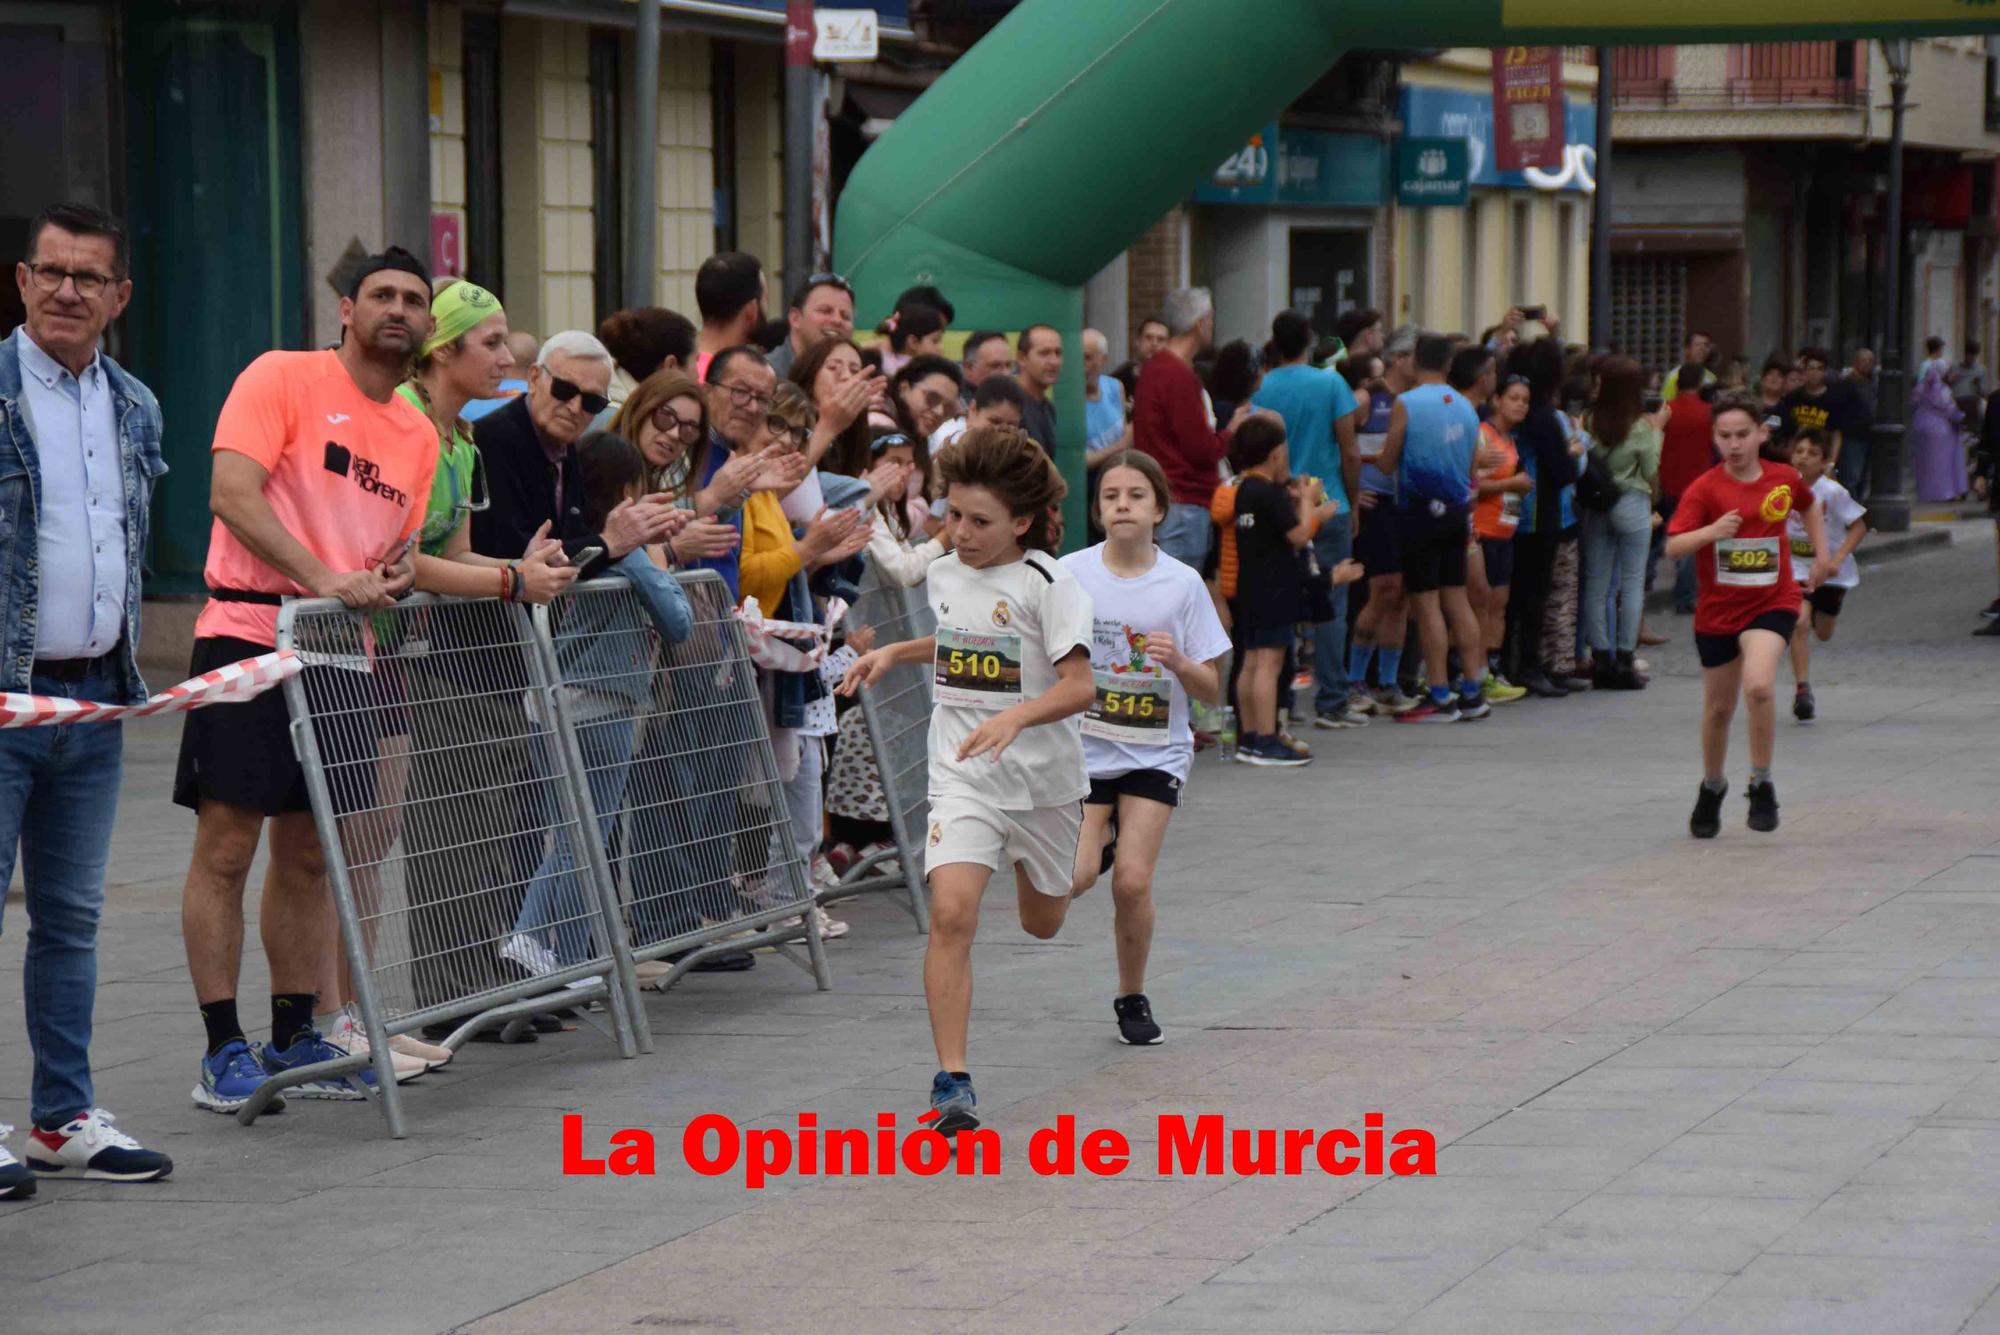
x=1042 y=839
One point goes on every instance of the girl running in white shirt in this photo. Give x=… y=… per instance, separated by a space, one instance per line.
x=1011 y=661
x=1156 y=641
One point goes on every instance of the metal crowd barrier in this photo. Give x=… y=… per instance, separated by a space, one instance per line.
x=898 y=714
x=695 y=830
x=473 y=767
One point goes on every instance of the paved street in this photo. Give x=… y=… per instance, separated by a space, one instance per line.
x=1751 y=1085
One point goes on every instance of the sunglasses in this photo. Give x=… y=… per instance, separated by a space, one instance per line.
x=565 y=390
x=1513 y=380
x=828 y=279
x=889 y=442
x=667 y=420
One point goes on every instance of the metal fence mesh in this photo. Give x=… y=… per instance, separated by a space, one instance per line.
x=897 y=710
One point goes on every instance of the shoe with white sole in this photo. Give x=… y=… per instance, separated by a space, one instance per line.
x=230 y=1075
x=830 y=929
x=89 y=1147
x=352 y=1039
x=309 y=1049
x=648 y=970
x=530 y=954
x=17 y=1180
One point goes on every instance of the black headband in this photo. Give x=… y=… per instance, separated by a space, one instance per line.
x=395 y=257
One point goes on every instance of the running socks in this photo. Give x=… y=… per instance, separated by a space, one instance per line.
x=219 y=1019
x=1758 y=775
x=291 y=1015
x=1440 y=696
x=1358 y=655
x=1391 y=661
x=1715 y=785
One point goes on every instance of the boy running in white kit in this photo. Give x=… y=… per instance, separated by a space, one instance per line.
x=1011 y=660
x=1846 y=517
x=1157 y=642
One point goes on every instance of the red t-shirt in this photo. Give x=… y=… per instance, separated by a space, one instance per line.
x=1170 y=422
x=1687 y=449
x=1741 y=578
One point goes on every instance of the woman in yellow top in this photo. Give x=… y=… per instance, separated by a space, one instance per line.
x=771 y=555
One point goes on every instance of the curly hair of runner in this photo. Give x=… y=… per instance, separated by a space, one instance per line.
x=1007 y=462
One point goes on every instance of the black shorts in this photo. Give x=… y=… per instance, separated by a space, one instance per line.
x=1264 y=637
x=1433 y=548
x=1376 y=547
x=1826 y=600
x=1155 y=785
x=1722 y=650
x=242 y=753
x=1499 y=556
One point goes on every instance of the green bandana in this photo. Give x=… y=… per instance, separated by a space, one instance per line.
x=456 y=310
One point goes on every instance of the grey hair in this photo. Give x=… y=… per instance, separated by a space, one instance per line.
x=1183 y=310
x=574 y=343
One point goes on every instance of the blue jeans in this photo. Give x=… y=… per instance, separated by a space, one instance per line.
x=1614 y=562
x=58 y=800
x=1185 y=535
x=556 y=896
x=1851 y=468
x=1333 y=544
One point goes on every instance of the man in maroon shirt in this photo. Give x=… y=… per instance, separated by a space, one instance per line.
x=1171 y=421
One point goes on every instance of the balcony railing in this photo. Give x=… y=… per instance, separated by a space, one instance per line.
x=1764 y=74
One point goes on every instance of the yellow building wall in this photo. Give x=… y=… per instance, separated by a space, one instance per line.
x=760 y=164
x=1441 y=284
x=547 y=218
x=447 y=114
x=686 y=169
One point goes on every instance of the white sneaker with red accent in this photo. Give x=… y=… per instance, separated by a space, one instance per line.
x=88 y=1146
x=16 y=1182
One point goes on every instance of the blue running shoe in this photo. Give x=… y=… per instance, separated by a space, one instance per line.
x=309 y=1049
x=952 y=1100
x=229 y=1076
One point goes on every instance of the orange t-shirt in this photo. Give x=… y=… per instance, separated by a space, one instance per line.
x=1222 y=509
x=350 y=478
x=1498 y=515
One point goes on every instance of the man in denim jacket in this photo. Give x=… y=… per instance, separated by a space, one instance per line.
x=79 y=453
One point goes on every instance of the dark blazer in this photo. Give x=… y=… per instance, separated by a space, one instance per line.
x=522 y=484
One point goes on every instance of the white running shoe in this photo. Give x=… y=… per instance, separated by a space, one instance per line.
x=830 y=929
x=352 y=1039
x=1390 y=700
x=530 y=954
x=17 y=1180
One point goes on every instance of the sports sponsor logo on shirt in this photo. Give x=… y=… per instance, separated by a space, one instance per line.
x=365 y=473
x=1777 y=504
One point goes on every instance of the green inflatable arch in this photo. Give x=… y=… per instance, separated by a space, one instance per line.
x=1048 y=147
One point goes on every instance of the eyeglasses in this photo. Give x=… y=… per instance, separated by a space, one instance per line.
x=784 y=429
x=565 y=390
x=742 y=396
x=49 y=278
x=667 y=420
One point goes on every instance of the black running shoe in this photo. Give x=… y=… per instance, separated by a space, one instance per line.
x=1706 y=822
x=1135 y=1021
x=1804 y=708
x=952 y=1100
x=1763 y=807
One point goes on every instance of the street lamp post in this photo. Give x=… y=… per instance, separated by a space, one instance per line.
x=1888 y=504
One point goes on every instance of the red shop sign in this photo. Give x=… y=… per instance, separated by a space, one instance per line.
x=1527 y=108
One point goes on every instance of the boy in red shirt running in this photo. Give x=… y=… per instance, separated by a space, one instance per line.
x=1747 y=605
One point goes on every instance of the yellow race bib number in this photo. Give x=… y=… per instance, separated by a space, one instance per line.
x=1130 y=707
x=977 y=671
x=1749 y=562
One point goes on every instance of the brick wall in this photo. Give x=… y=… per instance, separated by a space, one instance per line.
x=1153 y=268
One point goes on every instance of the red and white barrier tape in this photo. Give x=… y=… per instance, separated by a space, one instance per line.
x=230 y=684
x=788 y=646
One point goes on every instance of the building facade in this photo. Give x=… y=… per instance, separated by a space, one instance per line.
x=1750 y=187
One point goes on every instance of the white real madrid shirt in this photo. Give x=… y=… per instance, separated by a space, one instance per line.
x=1008 y=627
